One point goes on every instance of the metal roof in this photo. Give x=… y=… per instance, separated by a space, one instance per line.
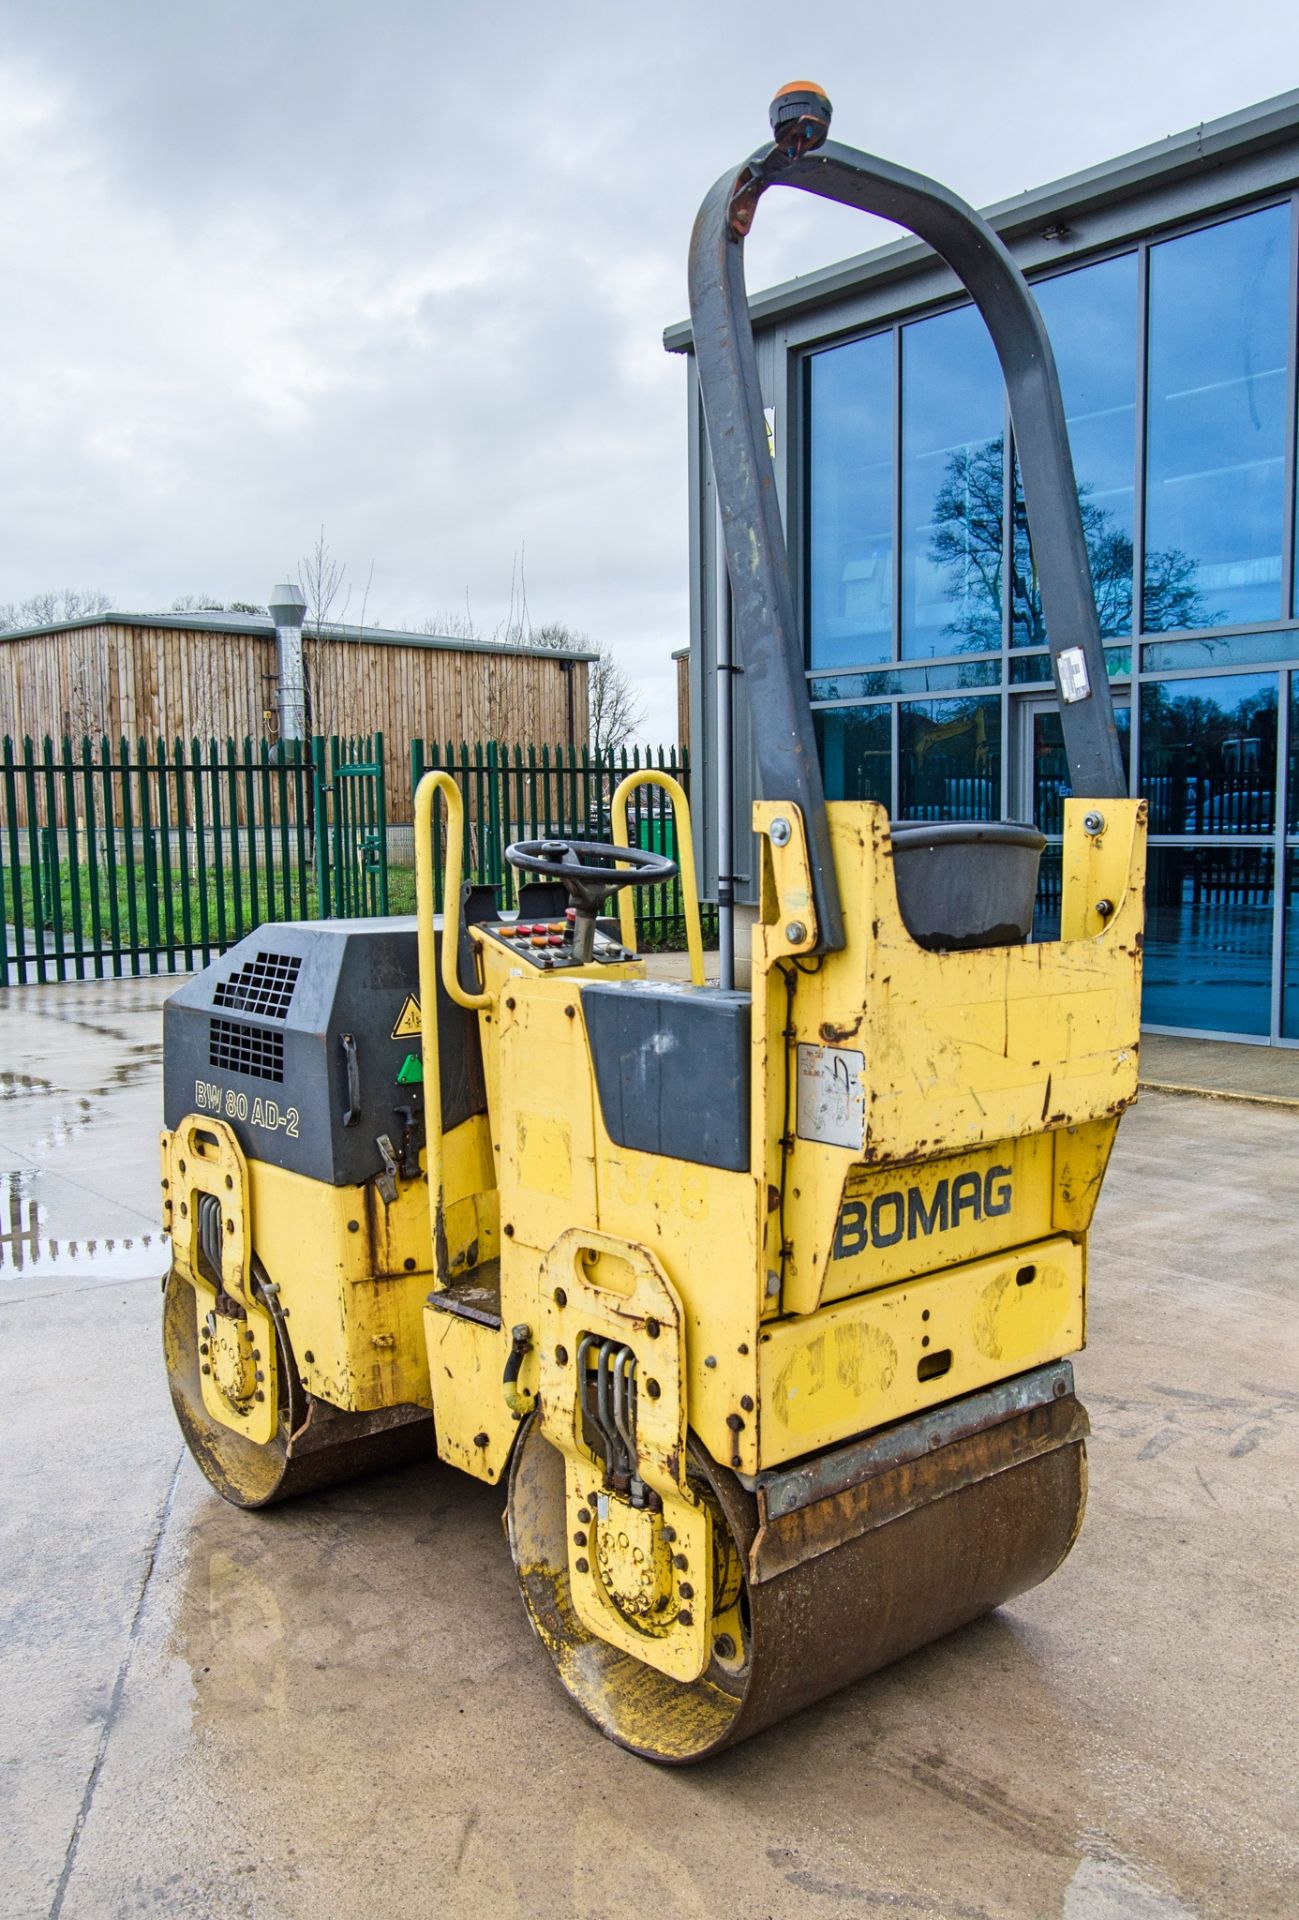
x=1179 y=157
x=264 y=628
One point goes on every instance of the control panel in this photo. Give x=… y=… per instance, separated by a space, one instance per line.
x=548 y=944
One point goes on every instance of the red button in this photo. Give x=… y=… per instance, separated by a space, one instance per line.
x=555 y=939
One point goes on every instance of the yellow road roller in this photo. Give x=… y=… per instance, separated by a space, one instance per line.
x=758 y=1304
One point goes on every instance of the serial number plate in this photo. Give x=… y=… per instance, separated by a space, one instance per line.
x=831 y=1096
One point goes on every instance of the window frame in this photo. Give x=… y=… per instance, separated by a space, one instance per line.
x=1012 y=695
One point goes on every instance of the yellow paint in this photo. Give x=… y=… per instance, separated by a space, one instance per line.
x=961 y=1050
x=626 y=1575
x=236 y=1335
x=788 y=909
x=897 y=1221
x=857 y=1365
x=475 y=1427
x=777 y=1310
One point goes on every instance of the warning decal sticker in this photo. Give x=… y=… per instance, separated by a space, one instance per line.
x=408 y=1022
x=831 y=1098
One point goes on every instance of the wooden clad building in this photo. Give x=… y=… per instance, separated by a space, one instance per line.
x=213 y=676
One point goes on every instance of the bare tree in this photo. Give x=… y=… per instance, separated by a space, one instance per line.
x=451 y=625
x=323 y=579
x=51 y=608
x=557 y=636
x=208 y=603
x=616 y=709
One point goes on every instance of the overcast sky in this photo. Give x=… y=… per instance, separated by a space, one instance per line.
x=403 y=267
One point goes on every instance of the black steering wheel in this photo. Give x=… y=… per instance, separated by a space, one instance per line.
x=588 y=886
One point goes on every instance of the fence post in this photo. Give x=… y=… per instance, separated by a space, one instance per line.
x=164 y=849
x=149 y=851
x=53 y=865
x=267 y=831
x=318 y=817
x=15 y=866
x=381 y=809
x=200 y=852
x=493 y=815
x=282 y=802
x=35 y=865
x=4 y=927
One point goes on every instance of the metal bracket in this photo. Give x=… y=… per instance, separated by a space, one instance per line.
x=386 y=1182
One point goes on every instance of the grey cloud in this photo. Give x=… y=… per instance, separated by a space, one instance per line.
x=404 y=268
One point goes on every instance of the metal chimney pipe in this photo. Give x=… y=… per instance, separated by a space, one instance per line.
x=288 y=609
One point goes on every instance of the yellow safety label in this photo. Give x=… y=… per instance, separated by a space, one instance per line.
x=408 y=1020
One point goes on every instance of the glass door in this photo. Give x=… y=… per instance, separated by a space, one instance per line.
x=1040 y=786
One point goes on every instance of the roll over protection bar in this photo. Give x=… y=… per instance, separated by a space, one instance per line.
x=766 y=622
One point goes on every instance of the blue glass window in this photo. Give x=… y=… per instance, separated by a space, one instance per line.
x=949 y=759
x=1290 y=971
x=1215 y=444
x=1208 y=753
x=1048 y=901
x=953 y=448
x=1034 y=669
x=850 y=504
x=1091 y=316
x=1208 y=952
x=856 y=746
x=947 y=677
x=1220 y=650
x=1052 y=785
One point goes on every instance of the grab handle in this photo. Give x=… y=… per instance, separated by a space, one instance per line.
x=651 y=777
x=426 y=794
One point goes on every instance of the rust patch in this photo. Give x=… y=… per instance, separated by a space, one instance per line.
x=835 y=1036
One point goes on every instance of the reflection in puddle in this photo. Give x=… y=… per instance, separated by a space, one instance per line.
x=1107 y=1887
x=17 y=1086
x=26 y=1248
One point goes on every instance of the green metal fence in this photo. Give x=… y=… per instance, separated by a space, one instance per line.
x=145 y=858
x=537 y=793
x=149 y=858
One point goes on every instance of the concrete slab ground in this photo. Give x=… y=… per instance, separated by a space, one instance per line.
x=1223 y=1067
x=339 y=1708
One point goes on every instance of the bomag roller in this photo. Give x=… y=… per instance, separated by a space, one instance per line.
x=759 y=1304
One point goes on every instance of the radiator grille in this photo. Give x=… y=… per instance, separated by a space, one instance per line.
x=263 y=984
x=258 y=1051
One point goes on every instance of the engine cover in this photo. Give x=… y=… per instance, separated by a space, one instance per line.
x=296 y=1038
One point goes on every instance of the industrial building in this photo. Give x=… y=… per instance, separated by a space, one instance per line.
x=1168 y=282
x=214 y=676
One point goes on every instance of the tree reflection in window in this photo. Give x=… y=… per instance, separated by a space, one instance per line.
x=967 y=542
x=1208 y=754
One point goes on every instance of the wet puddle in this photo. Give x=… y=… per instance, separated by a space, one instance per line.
x=27 y=1248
